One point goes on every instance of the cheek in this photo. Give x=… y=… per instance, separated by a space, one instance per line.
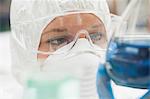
x=42 y=56
x=45 y=48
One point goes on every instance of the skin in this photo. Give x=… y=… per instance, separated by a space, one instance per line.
x=66 y=27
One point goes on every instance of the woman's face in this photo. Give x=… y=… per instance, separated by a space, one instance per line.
x=63 y=29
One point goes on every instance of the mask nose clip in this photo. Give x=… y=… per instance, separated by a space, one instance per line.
x=82 y=34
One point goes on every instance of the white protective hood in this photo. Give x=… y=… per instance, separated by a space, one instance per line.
x=29 y=18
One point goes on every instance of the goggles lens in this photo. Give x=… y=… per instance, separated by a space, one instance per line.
x=64 y=29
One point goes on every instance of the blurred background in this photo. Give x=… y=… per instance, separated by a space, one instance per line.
x=7 y=89
x=4 y=35
x=4 y=15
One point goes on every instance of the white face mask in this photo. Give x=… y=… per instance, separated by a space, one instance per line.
x=81 y=61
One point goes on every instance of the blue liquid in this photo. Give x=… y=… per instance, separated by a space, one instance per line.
x=130 y=62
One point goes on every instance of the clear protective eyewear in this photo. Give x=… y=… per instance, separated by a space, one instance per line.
x=67 y=29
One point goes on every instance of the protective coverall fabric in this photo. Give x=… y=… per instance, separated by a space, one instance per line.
x=29 y=18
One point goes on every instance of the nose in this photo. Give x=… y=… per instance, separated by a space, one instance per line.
x=83 y=34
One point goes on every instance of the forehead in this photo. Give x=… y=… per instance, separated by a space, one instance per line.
x=78 y=20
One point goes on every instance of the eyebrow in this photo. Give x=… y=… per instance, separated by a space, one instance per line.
x=65 y=29
x=56 y=30
x=95 y=26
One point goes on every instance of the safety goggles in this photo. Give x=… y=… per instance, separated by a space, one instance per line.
x=67 y=29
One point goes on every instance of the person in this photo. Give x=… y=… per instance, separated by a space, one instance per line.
x=60 y=35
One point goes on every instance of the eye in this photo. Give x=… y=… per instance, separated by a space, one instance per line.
x=57 y=41
x=96 y=36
